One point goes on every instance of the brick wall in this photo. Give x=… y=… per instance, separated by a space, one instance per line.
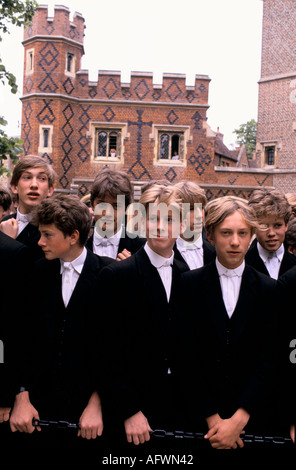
x=72 y=107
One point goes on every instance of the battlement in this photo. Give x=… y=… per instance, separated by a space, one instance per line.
x=141 y=87
x=50 y=41
x=56 y=26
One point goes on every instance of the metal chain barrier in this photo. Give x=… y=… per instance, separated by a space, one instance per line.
x=162 y=434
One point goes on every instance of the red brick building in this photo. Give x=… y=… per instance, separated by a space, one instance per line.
x=149 y=131
x=276 y=134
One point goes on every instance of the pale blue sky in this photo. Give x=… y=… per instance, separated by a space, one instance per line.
x=219 y=38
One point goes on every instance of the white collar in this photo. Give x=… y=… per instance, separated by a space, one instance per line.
x=185 y=245
x=265 y=254
x=77 y=263
x=157 y=260
x=23 y=217
x=115 y=238
x=236 y=271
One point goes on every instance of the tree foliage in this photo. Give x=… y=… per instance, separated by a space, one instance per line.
x=18 y=13
x=246 y=135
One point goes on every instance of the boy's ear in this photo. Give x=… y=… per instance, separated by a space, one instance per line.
x=210 y=237
x=14 y=189
x=74 y=237
x=50 y=191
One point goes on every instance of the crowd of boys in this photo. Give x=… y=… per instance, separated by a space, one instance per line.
x=185 y=324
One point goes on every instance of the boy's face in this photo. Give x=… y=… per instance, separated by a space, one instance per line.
x=194 y=224
x=162 y=230
x=231 y=239
x=271 y=233
x=54 y=243
x=32 y=188
x=111 y=216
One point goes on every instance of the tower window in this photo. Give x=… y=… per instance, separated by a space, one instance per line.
x=269 y=155
x=70 y=64
x=45 y=137
x=170 y=146
x=30 y=61
x=108 y=143
x=70 y=60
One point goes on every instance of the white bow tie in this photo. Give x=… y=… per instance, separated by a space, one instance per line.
x=166 y=263
x=105 y=241
x=23 y=218
x=66 y=265
x=191 y=246
x=230 y=273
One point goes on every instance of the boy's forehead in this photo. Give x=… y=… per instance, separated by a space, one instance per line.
x=107 y=198
x=38 y=170
x=48 y=228
x=271 y=219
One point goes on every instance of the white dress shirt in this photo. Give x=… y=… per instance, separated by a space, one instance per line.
x=163 y=266
x=106 y=246
x=272 y=259
x=192 y=252
x=22 y=220
x=230 y=280
x=70 y=273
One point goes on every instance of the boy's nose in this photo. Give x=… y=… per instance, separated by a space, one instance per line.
x=41 y=241
x=235 y=239
x=34 y=183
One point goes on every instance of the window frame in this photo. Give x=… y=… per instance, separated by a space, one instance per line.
x=42 y=148
x=108 y=133
x=186 y=138
x=94 y=130
x=71 y=72
x=30 y=55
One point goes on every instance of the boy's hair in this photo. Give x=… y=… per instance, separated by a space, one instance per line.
x=112 y=183
x=153 y=182
x=5 y=198
x=32 y=161
x=291 y=198
x=290 y=236
x=67 y=213
x=158 y=193
x=270 y=202
x=218 y=209
x=192 y=193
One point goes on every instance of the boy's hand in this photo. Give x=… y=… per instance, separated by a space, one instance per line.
x=9 y=227
x=123 y=255
x=22 y=414
x=91 y=420
x=4 y=414
x=225 y=433
x=137 y=429
x=292 y=432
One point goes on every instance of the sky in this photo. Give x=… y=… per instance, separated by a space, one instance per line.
x=219 y=38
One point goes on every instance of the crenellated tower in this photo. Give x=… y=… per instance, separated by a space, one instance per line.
x=149 y=130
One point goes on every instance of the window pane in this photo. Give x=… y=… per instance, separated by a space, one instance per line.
x=175 y=147
x=45 y=137
x=164 y=146
x=113 y=144
x=69 y=62
x=102 y=144
x=270 y=155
